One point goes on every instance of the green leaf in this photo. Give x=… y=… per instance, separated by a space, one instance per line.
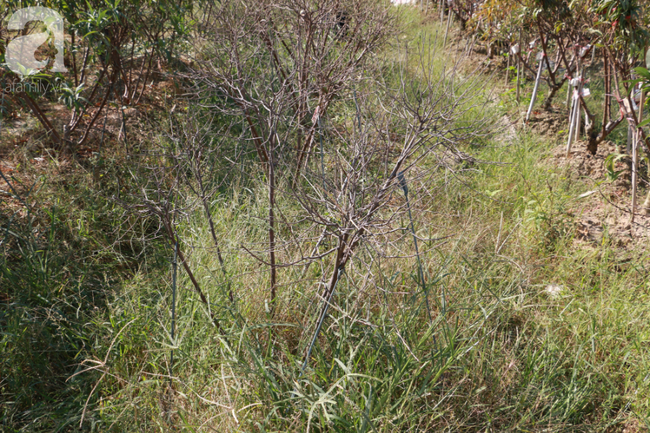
x=643 y=72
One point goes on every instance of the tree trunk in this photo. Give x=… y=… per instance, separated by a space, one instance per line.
x=549 y=98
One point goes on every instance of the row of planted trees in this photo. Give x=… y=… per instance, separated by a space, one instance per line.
x=562 y=38
x=558 y=42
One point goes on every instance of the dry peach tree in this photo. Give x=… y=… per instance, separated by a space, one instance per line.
x=280 y=67
x=284 y=96
x=339 y=142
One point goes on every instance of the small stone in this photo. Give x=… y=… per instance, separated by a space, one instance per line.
x=553 y=290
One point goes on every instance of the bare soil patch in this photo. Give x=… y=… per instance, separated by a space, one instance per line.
x=603 y=212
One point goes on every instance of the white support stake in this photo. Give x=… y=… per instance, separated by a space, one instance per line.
x=580 y=70
x=518 y=67
x=444 y=43
x=577 y=120
x=628 y=144
x=532 y=99
x=572 y=122
x=637 y=136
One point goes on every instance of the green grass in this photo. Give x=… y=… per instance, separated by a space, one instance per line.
x=507 y=355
